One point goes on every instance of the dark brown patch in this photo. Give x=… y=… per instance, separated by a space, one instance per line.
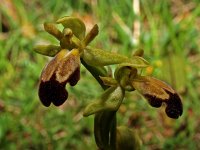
x=52 y=91
x=174 y=107
x=75 y=77
x=153 y=100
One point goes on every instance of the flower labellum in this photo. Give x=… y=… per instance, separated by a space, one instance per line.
x=63 y=68
x=157 y=92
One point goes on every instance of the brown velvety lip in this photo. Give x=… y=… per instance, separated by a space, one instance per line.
x=52 y=91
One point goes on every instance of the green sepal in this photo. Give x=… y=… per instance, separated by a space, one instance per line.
x=53 y=30
x=127 y=139
x=75 y=24
x=99 y=57
x=48 y=50
x=138 y=62
x=110 y=101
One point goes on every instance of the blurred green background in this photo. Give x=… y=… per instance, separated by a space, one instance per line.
x=169 y=33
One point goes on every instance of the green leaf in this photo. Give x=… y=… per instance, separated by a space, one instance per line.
x=75 y=24
x=48 y=50
x=102 y=124
x=110 y=100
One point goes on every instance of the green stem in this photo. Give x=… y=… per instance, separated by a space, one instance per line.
x=113 y=133
x=97 y=72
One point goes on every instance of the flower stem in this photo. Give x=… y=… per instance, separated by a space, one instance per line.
x=96 y=73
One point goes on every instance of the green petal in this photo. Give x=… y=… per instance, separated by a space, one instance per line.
x=91 y=35
x=51 y=29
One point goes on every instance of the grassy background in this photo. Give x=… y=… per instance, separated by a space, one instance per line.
x=170 y=37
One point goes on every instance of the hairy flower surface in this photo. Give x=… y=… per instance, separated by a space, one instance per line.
x=158 y=92
x=62 y=69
